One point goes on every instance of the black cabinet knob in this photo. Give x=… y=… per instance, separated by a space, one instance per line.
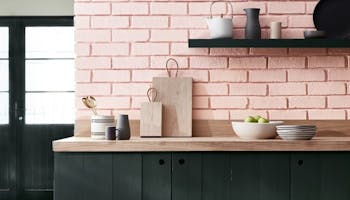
x=181 y=161
x=161 y=162
x=300 y=162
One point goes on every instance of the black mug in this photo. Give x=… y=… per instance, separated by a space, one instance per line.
x=123 y=128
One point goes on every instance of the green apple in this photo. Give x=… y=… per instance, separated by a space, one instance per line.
x=263 y=121
x=257 y=118
x=250 y=119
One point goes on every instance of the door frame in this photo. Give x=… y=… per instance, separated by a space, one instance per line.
x=16 y=91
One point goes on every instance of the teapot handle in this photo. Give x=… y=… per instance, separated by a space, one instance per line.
x=226 y=2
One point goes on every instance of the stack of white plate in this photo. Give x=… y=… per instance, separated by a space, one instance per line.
x=296 y=132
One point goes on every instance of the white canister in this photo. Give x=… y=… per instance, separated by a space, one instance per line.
x=275 y=30
x=99 y=124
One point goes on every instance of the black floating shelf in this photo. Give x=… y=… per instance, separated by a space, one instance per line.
x=268 y=43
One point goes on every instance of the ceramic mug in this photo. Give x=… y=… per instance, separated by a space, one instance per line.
x=99 y=124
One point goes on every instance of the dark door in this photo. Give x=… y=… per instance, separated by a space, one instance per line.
x=36 y=107
x=260 y=176
x=320 y=175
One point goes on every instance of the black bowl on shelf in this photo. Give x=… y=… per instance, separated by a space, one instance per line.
x=315 y=34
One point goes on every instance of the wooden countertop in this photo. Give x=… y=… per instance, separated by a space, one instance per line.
x=137 y=144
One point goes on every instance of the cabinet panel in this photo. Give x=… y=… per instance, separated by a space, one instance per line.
x=127 y=176
x=320 y=175
x=186 y=176
x=68 y=176
x=260 y=176
x=97 y=177
x=216 y=175
x=156 y=176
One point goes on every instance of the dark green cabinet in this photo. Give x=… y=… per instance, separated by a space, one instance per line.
x=202 y=176
x=322 y=176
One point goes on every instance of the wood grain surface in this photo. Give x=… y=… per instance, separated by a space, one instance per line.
x=137 y=144
x=151 y=119
x=176 y=97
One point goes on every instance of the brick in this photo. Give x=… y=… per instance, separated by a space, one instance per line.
x=239 y=6
x=293 y=33
x=130 y=8
x=228 y=102
x=281 y=89
x=111 y=76
x=238 y=89
x=267 y=76
x=150 y=49
x=136 y=101
x=210 y=114
x=301 y=21
x=93 y=63
x=307 y=102
x=93 y=89
x=208 y=62
x=133 y=114
x=110 y=49
x=82 y=49
x=327 y=114
x=229 y=51
x=187 y=22
x=307 y=51
x=169 y=35
x=339 y=74
x=130 y=35
x=199 y=33
x=248 y=63
x=228 y=76
x=130 y=62
x=113 y=102
x=91 y=8
x=286 y=62
x=268 y=51
x=339 y=51
x=149 y=21
x=267 y=102
x=326 y=88
x=159 y=62
x=92 y=35
x=86 y=114
x=200 y=102
x=198 y=76
x=326 y=61
x=310 y=7
x=242 y=114
x=147 y=75
x=182 y=49
x=168 y=8
x=297 y=75
x=287 y=114
x=339 y=101
x=81 y=22
x=109 y=22
x=130 y=88
x=206 y=89
x=286 y=7
x=203 y=8
x=265 y=21
x=82 y=76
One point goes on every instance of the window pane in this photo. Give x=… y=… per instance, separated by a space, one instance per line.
x=49 y=42
x=50 y=75
x=4 y=42
x=49 y=108
x=4 y=75
x=4 y=108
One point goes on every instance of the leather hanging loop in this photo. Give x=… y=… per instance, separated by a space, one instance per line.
x=167 y=67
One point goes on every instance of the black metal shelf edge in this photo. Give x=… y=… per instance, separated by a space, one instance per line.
x=269 y=43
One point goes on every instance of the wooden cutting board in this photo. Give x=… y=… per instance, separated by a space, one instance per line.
x=176 y=96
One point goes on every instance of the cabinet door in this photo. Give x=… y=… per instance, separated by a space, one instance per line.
x=186 y=176
x=260 y=176
x=320 y=175
x=68 y=169
x=156 y=176
x=127 y=176
x=216 y=175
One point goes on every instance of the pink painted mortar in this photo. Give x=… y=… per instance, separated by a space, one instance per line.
x=121 y=45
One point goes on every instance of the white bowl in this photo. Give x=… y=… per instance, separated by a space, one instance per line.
x=250 y=131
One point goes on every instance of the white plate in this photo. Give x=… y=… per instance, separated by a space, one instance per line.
x=295 y=126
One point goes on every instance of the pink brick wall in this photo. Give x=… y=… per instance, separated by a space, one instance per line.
x=122 y=44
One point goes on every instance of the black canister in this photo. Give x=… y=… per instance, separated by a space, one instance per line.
x=123 y=128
